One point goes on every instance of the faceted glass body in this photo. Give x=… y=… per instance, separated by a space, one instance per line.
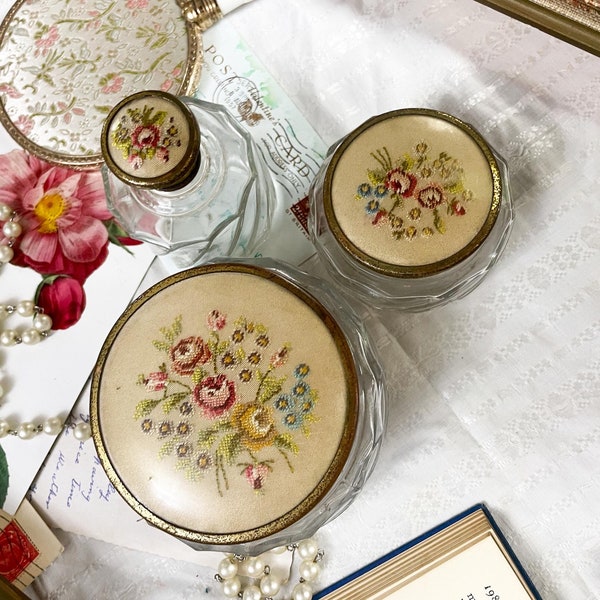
x=224 y=211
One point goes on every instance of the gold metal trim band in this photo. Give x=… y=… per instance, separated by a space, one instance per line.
x=203 y=13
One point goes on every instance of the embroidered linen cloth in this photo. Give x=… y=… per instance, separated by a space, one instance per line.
x=495 y=397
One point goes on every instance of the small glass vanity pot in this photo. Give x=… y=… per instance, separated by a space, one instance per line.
x=410 y=210
x=184 y=176
x=238 y=406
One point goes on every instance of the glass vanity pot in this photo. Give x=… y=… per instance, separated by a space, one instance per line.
x=238 y=406
x=182 y=175
x=410 y=210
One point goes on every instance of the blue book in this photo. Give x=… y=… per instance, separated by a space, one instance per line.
x=465 y=558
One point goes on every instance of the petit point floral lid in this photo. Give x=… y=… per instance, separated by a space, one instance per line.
x=224 y=404
x=64 y=65
x=152 y=140
x=412 y=192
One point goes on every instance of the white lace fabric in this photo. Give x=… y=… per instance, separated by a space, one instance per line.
x=495 y=397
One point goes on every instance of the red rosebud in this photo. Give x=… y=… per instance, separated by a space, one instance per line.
x=63 y=299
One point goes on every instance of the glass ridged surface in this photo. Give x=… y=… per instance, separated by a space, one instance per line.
x=411 y=209
x=224 y=211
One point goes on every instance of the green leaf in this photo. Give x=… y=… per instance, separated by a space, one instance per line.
x=229 y=447
x=163 y=346
x=198 y=375
x=166 y=448
x=173 y=401
x=439 y=223
x=145 y=407
x=286 y=442
x=207 y=438
x=269 y=387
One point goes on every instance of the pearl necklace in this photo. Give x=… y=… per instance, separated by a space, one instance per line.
x=40 y=329
x=263 y=584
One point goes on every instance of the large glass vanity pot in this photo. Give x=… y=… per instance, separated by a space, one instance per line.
x=238 y=406
x=411 y=210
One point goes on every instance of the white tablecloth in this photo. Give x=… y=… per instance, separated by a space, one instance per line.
x=493 y=398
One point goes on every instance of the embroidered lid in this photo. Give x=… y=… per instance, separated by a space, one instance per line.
x=152 y=140
x=224 y=404
x=66 y=64
x=412 y=192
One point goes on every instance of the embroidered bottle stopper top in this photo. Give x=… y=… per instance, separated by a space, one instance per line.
x=224 y=404
x=152 y=140
x=412 y=192
x=65 y=65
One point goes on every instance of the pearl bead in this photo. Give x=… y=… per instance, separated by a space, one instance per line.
x=6 y=254
x=309 y=570
x=6 y=212
x=42 y=322
x=252 y=592
x=255 y=567
x=31 y=337
x=26 y=308
x=270 y=585
x=12 y=229
x=308 y=549
x=4 y=427
x=302 y=591
x=52 y=426
x=82 y=431
x=228 y=568
x=232 y=587
x=26 y=430
x=9 y=337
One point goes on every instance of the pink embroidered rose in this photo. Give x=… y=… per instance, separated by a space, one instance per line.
x=401 y=182
x=188 y=354
x=215 y=395
x=156 y=382
x=63 y=299
x=430 y=196
x=458 y=209
x=145 y=136
x=280 y=357
x=216 y=320
x=61 y=212
x=256 y=475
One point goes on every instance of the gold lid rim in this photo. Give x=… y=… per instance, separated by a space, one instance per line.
x=412 y=271
x=181 y=172
x=319 y=491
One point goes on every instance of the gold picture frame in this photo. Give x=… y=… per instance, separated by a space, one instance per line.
x=574 y=21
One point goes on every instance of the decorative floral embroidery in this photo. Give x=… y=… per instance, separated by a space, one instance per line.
x=413 y=195
x=145 y=135
x=234 y=386
x=88 y=55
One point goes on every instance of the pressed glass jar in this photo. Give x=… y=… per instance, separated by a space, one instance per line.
x=410 y=210
x=182 y=175
x=238 y=406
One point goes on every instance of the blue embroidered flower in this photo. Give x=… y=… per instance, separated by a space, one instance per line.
x=302 y=370
x=364 y=190
x=372 y=207
x=283 y=403
x=380 y=191
x=300 y=389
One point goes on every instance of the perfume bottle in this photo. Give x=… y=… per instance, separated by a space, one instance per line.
x=182 y=175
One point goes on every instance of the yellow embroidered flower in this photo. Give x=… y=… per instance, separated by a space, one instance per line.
x=255 y=423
